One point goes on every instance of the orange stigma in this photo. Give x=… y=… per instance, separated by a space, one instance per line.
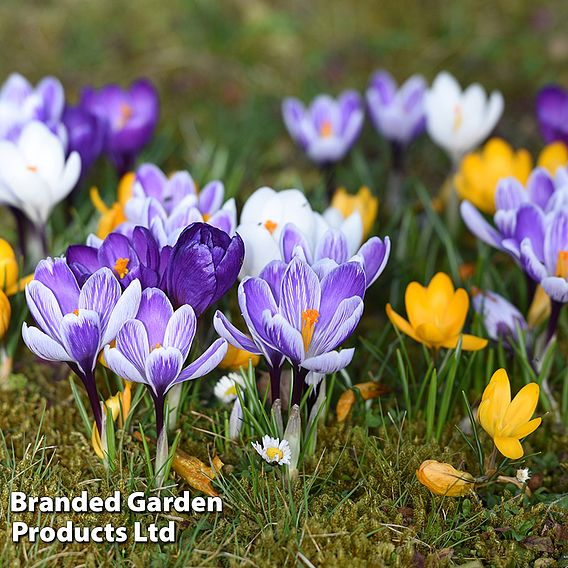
x=326 y=129
x=157 y=346
x=270 y=226
x=32 y=169
x=120 y=267
x=206 y=217
x=76 y=312
x=562 y=264
x=309 y=320
x=126 y=113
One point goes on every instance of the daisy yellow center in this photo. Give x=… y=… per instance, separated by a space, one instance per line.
x=562 y=264
x=274 y=453
x=231 y=391
x=270 y=226
x=326 y=129
x=126 y=113
x=120 y=267
x=458 y=118
x=309 y=320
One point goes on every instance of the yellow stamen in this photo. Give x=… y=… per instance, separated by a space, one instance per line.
x=309 y=320
x=76 y=312
x=206 y=217
x=231 y=391
x=157 y=346
x=126 y=113
x=120 y=267
x=326 y=129
x=270 y=226
x=274 y=452
x=562 y=264
x=458 y=118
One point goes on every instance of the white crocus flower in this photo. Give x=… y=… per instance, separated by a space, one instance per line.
x=34 y=175
x=459 y=121
x=263 y=217
x=226 y=387
x=273 y=450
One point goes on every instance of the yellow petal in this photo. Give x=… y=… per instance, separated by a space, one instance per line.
x=486 y=417
x=553 y=156
x=510 y=447
x=540 y=308
x=430 y=334
x=472 y=342
x=5 y=313
x=126 y=188
x=454 y=318
x=440 y=292
x=443 y=479
x=20 y=285
x=495 y=401
x=416 y=302
x=526 y=428
x=521 y=408
x=237 y=358
x=400 y=323
x=344 y=404
x=523 y=166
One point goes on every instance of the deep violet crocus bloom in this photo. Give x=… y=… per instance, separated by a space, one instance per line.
x=130 y=116
x=552 y=113
x=397 y=113
x=21 y=103
x=75 y=323
x=309 y=320
x=137 y=257
x=167 y=205
x=85 y=134
x=328 y=128
x=520 y=213
x=203 y=266
x=152 y=349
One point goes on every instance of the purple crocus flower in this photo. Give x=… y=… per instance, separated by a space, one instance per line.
x=76 y=322
x=152 y=349
x=203 y=266
x=328 y=128
x=500 y=317
x=552 y=113
x=520 y=213
x=129 y=258
x=131 y=116
x=168 y=205
x=85 y=133
x=306 y=322
x=21 y=103
x=397 y=114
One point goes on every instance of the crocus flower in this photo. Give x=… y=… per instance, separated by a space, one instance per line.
x=10 y=283
x=238 y=358
x=273 y=450
x=553 y=156
x=459 y=121
x=520 y=213
x=5 y=314
x=129 y=259
x=397 y=113
x=500 y=317
x=113 y=217
x=436 y=315
x=444 y=479
x=85 y=134
x=508 y=421
x=21 y=103
x=75 y=323
x=226 y=388
x=480 y=172
x=130 y=116
x=363 y=202
x=152 y=348
x=328 y=128
x=34 y=175
x=203 y=266
x=168 y=205
x=552 y=113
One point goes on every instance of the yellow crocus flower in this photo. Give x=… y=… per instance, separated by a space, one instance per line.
x=5 y=314
x=237 y=358
x=444 y=479
x=363 y=201
x=508 y=421
x=436 y=315
x=553 y=156
x=9 y=271
x=481 y=171
x=112 y=217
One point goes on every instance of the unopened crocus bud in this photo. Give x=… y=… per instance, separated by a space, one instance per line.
x=236 y=420
x=293 y=435
x=444 y=479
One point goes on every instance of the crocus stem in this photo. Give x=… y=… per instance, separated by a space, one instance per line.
x=328 y=172
x=555 y=308
x=275 y=373
x=174 y=402
x=21 y=228
x=162 y=451
x=531 y=289
x=91 y=388
x=299 y=382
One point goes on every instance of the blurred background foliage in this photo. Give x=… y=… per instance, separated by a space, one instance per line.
x=222 y=67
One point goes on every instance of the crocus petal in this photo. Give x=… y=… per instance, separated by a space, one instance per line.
x=526 y=428
x=375 y=254
x=400 y=323
x=180 y=330
x=330 y=362
x=43 y=345
x=163 y=366
x=81 y=336
x=120 y=365
x=478 y=225
x=332 y=245
x=522 y=407
x=231 y=334
x=206 y=362
x=58 y=277
x=530 y=262
x=44 y=308
x=132 y=342
x=556 y=288
x=125 y=309
x=510 y=447
x=155 y=311
x=282 y=336
x=100 y=293
x=469 y=343
x=290 y=238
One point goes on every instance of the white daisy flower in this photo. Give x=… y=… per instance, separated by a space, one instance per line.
x=523 y=475
x=226 y=387
x=273 y=450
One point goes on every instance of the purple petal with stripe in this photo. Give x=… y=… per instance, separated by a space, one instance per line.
x=163 y=367
x=81 y=336
x=100 y=293
x=273 y=273
x=556 y=240
x=120 y=365
x=530 y=224
x=125 y=309
x=290 y=238
x=283 y=337
x=530 y=263
x=132 y=342
x=540 y=187
x=375 y=255
x=58 y=277
x=154 y=312
x=556 y=288
x=43 y=345
x=211 y=197
x=477 y=224
x=510 y=194
x=332 y=245
x=231 y=334
x=180 y=330
x=331 y=362
x=44 y=308
x=206 y=362
x=254 y=298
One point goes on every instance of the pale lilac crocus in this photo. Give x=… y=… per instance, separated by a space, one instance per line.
x=328 y=128
x=397 y=113
x=75 y=323
x=152 y=349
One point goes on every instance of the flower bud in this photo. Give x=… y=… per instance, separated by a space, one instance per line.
x=443 y=479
